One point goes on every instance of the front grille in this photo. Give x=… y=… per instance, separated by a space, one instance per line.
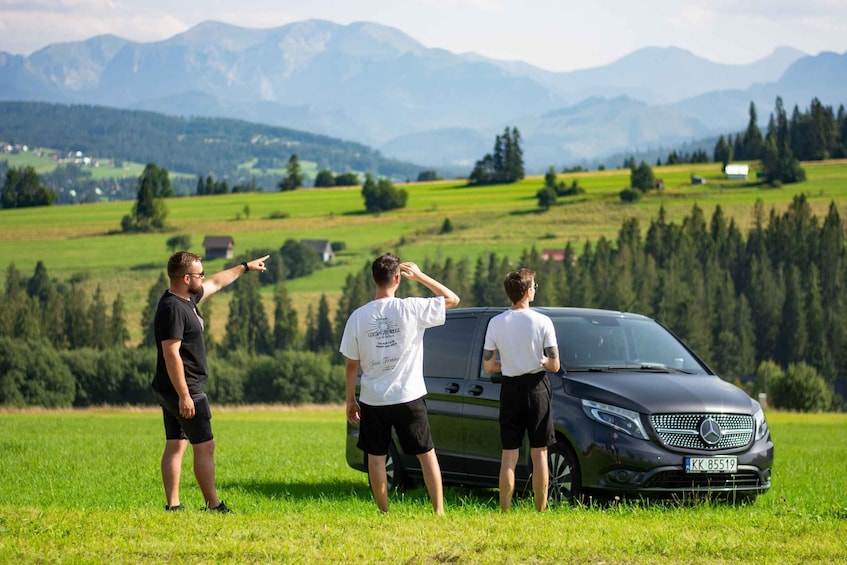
x=679 y=480
x=683 y=430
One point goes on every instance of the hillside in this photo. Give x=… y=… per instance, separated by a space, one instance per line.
x=196 y=146
x=81 y=242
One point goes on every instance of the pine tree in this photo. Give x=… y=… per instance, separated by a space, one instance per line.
x=148 y=337
x=247 y=326
x=793 y=341
x=293 y=177
x=98 y=321
x=286 y=329
x=323 y=337
x=118 y=332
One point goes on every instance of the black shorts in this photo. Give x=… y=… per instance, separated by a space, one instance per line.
x=197 y=429
x=409 y=420
x=526 y=407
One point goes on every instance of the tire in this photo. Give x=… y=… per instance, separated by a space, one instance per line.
x=562 y=463
x=394 y=471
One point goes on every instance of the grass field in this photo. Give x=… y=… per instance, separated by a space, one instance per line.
x=84 y=487
x=84 y=239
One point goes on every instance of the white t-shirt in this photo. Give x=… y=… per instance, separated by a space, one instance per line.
x=521 y=337
x=386 y=337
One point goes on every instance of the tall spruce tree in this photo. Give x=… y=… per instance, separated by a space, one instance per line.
x=148 y=337
x=118 y=332
x=286 y=327
x=247 y=326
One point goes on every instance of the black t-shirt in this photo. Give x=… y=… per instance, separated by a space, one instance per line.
x=178 y=318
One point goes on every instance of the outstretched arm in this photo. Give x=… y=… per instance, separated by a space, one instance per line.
x=412 y=272
x=225 y=278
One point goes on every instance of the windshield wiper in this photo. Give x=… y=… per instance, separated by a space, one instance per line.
x=653 y=367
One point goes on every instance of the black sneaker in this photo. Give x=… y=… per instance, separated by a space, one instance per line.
x=177 y=508
x=221 y=507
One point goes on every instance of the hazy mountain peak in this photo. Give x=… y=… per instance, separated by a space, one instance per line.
x=373 y=83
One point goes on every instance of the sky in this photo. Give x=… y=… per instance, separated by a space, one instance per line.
x=557 y=35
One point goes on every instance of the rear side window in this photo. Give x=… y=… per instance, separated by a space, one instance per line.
x=447 y=348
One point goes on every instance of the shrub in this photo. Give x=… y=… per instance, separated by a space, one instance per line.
x=33 y=374
x=630 y=195
x=800 y=388
x=226 y=378
x=446 y=226
x=294 y=377
x=766 y=373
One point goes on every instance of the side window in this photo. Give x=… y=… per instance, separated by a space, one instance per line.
x=447 y=348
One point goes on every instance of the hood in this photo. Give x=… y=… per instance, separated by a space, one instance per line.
x=656 y=393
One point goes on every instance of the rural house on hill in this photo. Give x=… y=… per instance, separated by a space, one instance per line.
x=322 y=246
x=738 y=172
x=554 y=254
x=218 y=246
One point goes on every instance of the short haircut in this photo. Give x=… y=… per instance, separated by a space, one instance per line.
x=179 y=263
x=384 y=268
x=517 y=283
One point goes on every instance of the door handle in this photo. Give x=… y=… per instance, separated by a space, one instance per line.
x=475 y=390
x=452 y=388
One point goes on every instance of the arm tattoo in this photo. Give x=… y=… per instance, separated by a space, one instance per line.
x=551 y=352
x=487 y=354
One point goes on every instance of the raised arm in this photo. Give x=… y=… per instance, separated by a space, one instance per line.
x=412 y=272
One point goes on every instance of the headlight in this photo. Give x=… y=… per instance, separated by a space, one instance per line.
x=615 y=417
x=761 y=424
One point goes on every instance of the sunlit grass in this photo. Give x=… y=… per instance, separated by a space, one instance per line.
x=84 y=486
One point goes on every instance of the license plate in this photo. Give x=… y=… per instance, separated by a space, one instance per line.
x=711 y=464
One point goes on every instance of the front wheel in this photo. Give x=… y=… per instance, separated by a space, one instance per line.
x=564 y=483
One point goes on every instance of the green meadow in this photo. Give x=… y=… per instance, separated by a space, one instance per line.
x=84 y=487
x=84 y=241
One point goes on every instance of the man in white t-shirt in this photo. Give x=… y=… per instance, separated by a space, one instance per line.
x=527 y=346
x=385 y=338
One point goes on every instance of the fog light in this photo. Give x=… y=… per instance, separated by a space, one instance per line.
x=619 y=476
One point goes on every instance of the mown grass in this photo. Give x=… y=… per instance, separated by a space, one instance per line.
x=84 y=487
x=84 y=240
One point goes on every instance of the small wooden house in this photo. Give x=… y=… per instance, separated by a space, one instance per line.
x=218 y=246
x=322 y=246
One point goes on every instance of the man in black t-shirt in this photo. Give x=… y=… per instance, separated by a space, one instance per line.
x=181 y=373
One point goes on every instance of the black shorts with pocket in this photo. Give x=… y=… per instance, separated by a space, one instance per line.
x=409 y=420
x=526 y=408
x=197 y=429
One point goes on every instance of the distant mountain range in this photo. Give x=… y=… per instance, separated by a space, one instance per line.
x=374 y=85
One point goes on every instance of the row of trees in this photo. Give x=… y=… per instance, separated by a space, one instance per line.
x=34 y=374
x=23 y=189
x=817 y=134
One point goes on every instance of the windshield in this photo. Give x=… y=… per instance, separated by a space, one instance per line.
x=600 y=342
